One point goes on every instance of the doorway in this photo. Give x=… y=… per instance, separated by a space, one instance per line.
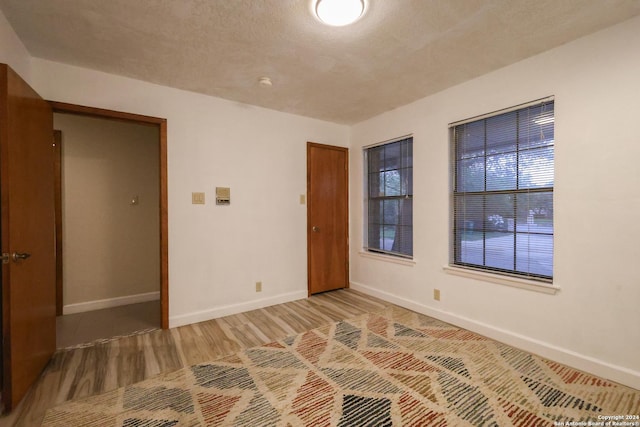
x=112 y=220
x=327 y=217
x=27 y=228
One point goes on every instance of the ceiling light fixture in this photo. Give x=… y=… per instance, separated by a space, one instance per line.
x=339 y=12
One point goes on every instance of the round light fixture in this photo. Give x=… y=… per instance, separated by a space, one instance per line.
x=339 y=12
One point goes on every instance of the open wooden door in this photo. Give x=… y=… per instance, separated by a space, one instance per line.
x=327 y=217
x=26 y=234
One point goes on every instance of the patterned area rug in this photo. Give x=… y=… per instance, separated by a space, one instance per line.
x=393 y=369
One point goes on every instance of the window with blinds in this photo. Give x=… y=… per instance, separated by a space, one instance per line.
x=503 y=178
x=389 y=202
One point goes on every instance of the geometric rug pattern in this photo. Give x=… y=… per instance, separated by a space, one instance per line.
x=395 y=368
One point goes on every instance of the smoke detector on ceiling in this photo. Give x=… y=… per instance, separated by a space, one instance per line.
x=339 y=13
x=265 y=82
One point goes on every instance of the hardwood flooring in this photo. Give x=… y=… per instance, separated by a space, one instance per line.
x=104 y=366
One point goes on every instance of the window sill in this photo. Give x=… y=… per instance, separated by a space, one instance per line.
x=388 y=258
x=515 y=282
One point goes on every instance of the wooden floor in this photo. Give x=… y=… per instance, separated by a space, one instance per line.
x=105 y=366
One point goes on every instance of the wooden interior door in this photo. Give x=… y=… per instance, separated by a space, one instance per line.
x=327 y=217
x=27 y=235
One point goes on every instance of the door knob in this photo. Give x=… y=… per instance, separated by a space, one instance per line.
x=315 y=229
x=17 y=256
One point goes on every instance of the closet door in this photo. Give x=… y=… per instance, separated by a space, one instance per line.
x=327 y=217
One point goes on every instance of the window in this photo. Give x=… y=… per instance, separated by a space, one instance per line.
x=503 y=177
x=389 y=203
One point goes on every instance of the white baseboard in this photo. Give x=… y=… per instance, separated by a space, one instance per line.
x=565 y=356
x=109 y=302
x=227 y=310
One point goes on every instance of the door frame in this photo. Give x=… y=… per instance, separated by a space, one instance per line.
x=62 y=107
x=57 y=186
x=310 y=206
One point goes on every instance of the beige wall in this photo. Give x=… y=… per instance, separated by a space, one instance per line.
x=12 y=51
x=111 y=247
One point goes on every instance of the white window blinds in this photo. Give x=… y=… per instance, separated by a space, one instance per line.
x=503 y=179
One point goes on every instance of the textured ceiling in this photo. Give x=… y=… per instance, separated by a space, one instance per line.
x=400 y=51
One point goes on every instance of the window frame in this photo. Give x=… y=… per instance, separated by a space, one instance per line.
x=368 y=198
x=455 y=261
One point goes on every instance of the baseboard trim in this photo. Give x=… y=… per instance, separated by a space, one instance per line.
x=565 y=356
x=227 y=310
x=81 y=307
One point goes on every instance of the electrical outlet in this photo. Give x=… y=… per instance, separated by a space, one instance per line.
x=436 y=294
x=258 y=286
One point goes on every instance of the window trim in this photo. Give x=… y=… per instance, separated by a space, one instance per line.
x=376 y=252
x=501 y=279
x=544 y=100
x=388 y=258
x=511 y=278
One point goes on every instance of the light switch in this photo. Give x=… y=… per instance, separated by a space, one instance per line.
x=197 y=198
x=303 y=199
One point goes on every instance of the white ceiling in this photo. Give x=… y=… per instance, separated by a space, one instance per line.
x=400 y=51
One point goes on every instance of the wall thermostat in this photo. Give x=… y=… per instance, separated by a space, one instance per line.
x=223 y=195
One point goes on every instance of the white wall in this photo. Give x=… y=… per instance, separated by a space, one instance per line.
x=592 y=322
x=217 y=253
x=111 y=247
x=12 y=51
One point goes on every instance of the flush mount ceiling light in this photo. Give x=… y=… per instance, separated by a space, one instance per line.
x=339 y=12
